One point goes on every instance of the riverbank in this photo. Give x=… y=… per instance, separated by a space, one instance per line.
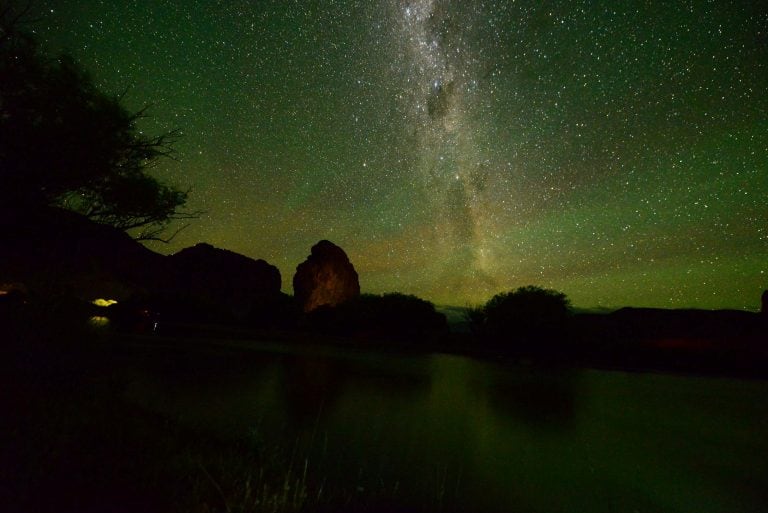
x=747 y=361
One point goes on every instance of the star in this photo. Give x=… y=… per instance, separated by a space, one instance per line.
x=456 y=149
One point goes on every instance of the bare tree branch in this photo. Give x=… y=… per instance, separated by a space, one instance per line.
x=96 y=160
x=154 y=235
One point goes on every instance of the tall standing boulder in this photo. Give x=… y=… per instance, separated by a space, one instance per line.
x=326 y=277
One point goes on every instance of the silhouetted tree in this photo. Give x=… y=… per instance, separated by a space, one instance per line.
x=397 y=314
x=65 y=143
x=393 y=315
x=528 y=318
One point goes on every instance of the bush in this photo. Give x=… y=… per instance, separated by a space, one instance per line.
x=381 y=316
x=529 y=318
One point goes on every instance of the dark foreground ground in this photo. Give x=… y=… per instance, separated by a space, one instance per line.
x=71 y=443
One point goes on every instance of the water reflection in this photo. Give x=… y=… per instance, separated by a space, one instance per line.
x=451 y=433
x=543 y=399
x=98 y=321
x=313 y=385
x=438 y=429
x=308 y=385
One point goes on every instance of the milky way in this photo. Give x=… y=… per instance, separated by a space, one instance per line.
x=617 y=151
x=443 y=74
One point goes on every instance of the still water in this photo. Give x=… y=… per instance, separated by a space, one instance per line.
x=447 y=432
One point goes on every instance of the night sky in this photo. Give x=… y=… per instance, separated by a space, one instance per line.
x=616 y=151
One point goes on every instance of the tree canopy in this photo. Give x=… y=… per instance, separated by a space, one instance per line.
x=523 y=316
x=392 y=315
x=65 y=143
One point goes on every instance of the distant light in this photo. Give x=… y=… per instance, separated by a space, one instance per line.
x=104 y=302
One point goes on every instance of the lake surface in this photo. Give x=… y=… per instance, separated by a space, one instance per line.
x=445 y=432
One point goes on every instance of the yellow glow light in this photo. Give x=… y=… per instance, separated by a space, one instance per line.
x=104 y=302
x=98 y=321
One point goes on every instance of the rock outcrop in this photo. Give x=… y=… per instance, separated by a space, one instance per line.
x=54 y=255
x=223 y=279
x=326 y=277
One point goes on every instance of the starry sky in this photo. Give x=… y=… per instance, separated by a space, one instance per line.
x=615 y=151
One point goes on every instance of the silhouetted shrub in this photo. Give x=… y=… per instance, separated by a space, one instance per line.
x=279 y=311
x=380 y=316
x=529 y=319
x=475 y=317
